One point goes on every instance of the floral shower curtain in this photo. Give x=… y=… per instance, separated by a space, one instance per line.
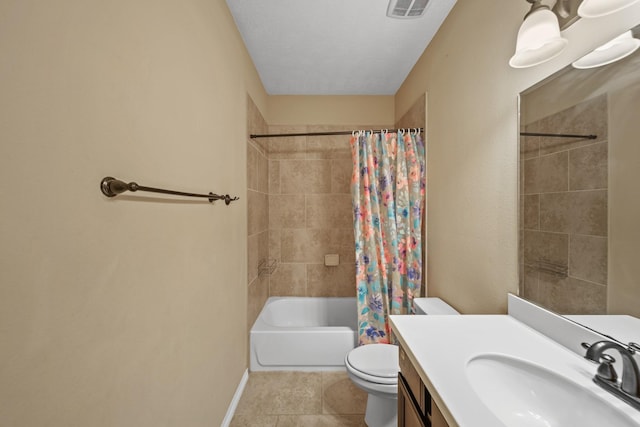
x=388 y=190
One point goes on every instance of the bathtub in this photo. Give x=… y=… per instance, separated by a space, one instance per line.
x=303 y=334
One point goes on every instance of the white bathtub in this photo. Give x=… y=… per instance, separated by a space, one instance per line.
x=303 y=334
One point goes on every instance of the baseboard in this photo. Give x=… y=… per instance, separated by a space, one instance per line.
x=231 y=410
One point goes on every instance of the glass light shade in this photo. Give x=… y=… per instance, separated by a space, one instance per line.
x=596 y=8
x=538 y=40
x=618 y=48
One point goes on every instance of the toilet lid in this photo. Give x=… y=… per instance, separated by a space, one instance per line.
x=378 y=361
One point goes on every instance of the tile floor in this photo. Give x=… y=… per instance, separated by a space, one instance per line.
x=296 y=399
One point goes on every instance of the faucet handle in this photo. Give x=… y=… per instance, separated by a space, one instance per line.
x=606 y=370
x=586 y=346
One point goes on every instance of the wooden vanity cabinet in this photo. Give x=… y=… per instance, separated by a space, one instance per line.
x=416 y=408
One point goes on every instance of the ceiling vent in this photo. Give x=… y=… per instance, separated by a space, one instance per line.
x=407 y=8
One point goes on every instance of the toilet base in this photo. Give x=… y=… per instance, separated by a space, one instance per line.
x=381 y=411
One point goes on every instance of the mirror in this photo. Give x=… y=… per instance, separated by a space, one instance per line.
x=579 y=213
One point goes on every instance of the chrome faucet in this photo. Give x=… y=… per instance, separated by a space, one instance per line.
x=628 y=388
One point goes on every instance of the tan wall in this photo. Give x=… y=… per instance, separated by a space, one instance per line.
x=124 y=312
x=336 y=110
x=472 y=144
x=416 y=116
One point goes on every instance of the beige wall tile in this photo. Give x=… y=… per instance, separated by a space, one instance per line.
x=531 y=212
x=588 y=167
x=520 y=211
x=263 y=246
x=415 y=116
x=546 y=174
x=304 y=245
x=586 y=118
x=520 y=254
x=274 y=176
x=329 y=211
x=530 y=289
x=347 y=248
x=588 y=258
x=340 y=395
x=263 y=173
x=305 y=176
x=341 y=171
x=529 y=145
x=325 y=281
x=256 y=124
x=287 y=392
x=275 y=244
x=582 y=212
x=287 y=147
x=551 y=247
x=257 y=212
x=328 y=146
x=311 y=245
x=252 y=167
x=572 y=296
x=287 y=211
x=252 y=258
x=549 y=144
x=288 y=280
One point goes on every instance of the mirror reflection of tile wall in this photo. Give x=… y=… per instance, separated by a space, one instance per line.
x=563 y=210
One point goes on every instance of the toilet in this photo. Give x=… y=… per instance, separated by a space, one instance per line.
x=374 y=368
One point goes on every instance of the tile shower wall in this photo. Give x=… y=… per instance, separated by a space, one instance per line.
x=299 y=209
x=257 y=214
x=310 y=212
x=563 y=210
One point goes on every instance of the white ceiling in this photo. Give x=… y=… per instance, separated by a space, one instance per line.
x=333 y=47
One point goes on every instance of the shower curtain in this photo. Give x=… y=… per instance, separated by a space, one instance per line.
x=388 y=190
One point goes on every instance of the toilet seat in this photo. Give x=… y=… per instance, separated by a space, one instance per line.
x=375 y=363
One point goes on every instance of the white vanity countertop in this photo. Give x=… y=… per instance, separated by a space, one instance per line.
x=441 y=346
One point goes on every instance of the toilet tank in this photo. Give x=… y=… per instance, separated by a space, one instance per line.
x=432 y=306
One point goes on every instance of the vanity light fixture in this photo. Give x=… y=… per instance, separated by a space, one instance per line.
x=597 y=8
x=539 y=37
x=618 y=48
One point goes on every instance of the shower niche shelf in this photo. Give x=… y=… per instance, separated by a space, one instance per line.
x=267 y=265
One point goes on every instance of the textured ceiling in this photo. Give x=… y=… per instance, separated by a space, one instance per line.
x=333 y=47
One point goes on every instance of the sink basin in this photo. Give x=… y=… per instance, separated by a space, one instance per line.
x=523 y=394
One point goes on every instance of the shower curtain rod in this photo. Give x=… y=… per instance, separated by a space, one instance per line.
x=342 y=132
x=351 y=132
x=558 y=135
